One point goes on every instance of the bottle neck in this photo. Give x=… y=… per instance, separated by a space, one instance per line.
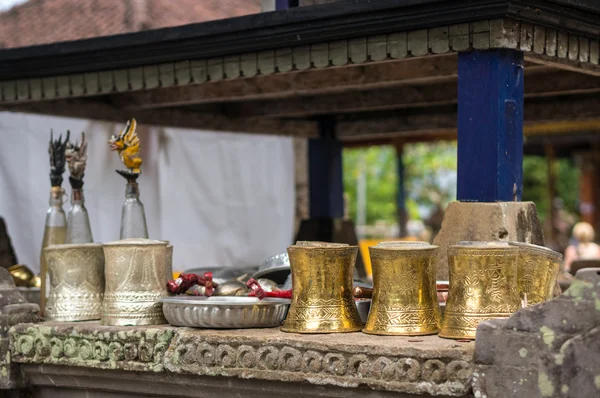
x=132 y=190
x=77 y=196
x=56 y=197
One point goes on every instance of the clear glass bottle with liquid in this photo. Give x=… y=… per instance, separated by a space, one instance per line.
x=55 y=232
x=78 y=220
x=133 y=218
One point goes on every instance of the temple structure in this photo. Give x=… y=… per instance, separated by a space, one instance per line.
x=340 y=73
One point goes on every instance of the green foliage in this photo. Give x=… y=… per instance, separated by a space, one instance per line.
x=430 y=180
x=381 y=180
x=535 y=183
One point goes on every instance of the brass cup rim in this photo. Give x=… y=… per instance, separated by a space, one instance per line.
x=72 y=246
x=137 y=242
x=537 y=249
x=483 y=247
x=324 y=248
x=406 y=248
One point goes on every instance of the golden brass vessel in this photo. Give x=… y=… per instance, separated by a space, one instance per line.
x=537 y=272
x=136 y=280
x=483 y=286
x=404 y=291
x=76 y=281
x=322 y=299
x=23 y=276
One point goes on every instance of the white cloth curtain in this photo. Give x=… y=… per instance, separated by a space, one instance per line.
x=222 y=199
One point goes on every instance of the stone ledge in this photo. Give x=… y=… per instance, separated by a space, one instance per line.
x=408 y=365
x=91 y=345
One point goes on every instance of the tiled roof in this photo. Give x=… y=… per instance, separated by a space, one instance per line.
x=49 y=21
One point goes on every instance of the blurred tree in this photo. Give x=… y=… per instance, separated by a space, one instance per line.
x=535 y=184
x=430 y=172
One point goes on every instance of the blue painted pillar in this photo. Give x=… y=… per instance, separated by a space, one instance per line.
x=285 y=4
x=490 y=126
x=325 y=173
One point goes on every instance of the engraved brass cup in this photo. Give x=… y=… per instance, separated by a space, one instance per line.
x=76 y=281
x=404 y=291
x=537 y=272
x=169 y=260
x=136 y=280
x=322 y=299
x=483 y=286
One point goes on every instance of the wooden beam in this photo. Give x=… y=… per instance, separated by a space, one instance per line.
x=539 y=83
x=171 y=117
x=566 y=115
x=334 y=79
x=565 y=64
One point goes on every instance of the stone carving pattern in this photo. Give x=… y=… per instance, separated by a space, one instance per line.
x=202 y=357
x=144 y=351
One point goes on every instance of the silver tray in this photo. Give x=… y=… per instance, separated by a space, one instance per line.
x=225 y=312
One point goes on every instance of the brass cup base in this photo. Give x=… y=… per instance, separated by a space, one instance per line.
x=452 y=330
x=298 y=322
x=323 y=329
x=400 y=333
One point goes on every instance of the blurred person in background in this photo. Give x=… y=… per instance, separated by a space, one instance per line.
x=584 y=247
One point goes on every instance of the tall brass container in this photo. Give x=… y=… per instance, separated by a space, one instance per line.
x=537 y=272
x=483 y=286
x=136 y=280
x=404 y=290
x=322 y=299
x=76 y=281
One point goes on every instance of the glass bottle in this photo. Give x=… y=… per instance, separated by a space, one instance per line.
x=133 y=218
x=78 y=221
x=55 y=232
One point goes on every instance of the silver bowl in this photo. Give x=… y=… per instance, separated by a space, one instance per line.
x=225 y=312
x=276 y=268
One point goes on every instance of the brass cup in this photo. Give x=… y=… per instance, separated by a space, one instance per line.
x=169 y=261
x=537 y=272
x=76 y=281
x=483 y=286
x=136 y=280
x=404 y=291
x=322 y=299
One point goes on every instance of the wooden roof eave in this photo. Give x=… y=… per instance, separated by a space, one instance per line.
x=163 y=74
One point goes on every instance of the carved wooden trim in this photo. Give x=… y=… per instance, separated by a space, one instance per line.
x=546 y=45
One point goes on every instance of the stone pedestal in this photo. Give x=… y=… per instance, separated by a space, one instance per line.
x=14 y=309
x=86 y=359
x=505 y=221
x=548 y=350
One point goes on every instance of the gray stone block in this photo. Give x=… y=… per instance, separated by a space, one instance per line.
x=500 y=221
x=556 y=344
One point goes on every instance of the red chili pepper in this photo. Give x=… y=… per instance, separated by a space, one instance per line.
x=286 y=294
x=186 y=281
x=183 y=283
x=256 y=288
x=209 y=285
